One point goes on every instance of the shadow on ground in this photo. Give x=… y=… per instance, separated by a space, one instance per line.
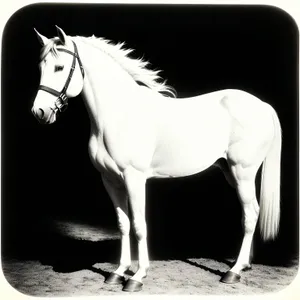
x=66 y=255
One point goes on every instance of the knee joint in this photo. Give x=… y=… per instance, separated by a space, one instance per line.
x=123 y=222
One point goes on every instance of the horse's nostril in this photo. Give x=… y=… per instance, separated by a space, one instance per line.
x=40 y=113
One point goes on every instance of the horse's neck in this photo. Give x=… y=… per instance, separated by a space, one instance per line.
x=107 y=87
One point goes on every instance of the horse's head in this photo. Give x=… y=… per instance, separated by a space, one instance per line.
x=61 y=76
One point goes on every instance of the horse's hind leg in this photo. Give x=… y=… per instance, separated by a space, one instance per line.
x=245 y=185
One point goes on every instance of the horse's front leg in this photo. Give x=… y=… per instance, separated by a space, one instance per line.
x=118 y=195
x=135 y=182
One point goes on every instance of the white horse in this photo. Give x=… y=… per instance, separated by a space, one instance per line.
x=138 y=133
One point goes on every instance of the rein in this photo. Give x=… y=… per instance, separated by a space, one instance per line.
x=61 y=102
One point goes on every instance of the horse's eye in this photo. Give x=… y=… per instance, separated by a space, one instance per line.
x=58 y=68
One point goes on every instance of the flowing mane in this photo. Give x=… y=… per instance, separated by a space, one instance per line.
x=137 y=68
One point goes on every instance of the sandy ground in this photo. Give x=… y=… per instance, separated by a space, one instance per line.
x=187 y=276
x=190 y=277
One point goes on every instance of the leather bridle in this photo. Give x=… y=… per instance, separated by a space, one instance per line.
x=61 y=102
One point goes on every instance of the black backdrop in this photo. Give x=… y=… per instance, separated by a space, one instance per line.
x=46 y=172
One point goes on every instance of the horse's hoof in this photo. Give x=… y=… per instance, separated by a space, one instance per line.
x=230 y=277
x=132 y=286
x=114 y=278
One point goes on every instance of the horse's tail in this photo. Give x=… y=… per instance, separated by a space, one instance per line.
x=270 y=186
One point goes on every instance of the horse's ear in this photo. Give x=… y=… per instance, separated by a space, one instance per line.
x=42 y=39
x=61 y=35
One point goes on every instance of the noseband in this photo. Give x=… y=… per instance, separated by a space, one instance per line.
x=61 y=102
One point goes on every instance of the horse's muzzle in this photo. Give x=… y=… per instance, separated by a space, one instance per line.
x=42 y=116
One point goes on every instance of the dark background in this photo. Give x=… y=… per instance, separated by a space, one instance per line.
x=46 y=172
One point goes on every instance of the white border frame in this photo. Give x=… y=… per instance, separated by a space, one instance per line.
x=292 y=7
